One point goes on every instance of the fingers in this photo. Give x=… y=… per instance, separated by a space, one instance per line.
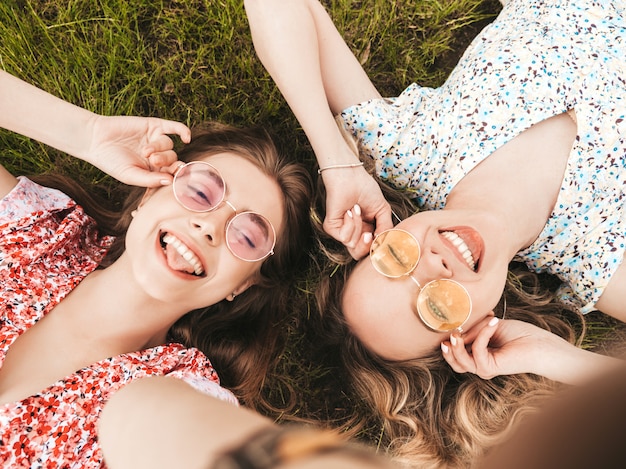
x=354 y=232
x=471 y=334
x=175 y=128
x=476 y=359
x=352 y=227
x=160 y=146
x=161 y=172
x=481 y=353
x=145 y=178
x=456 y=355
x=362 y=248
x=173 y=167
x=383 y=219
x=162 y=159
x=162 y=143
x=160 y=155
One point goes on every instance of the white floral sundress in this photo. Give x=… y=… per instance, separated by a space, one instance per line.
x=536 y=60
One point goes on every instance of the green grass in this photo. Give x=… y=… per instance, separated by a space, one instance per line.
x=188 y=61
x=194 y=60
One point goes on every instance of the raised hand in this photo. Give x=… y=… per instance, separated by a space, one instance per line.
x=131 y=149
x=134 y=149
x=503 y=347
x=497 y=347
x=355 y=209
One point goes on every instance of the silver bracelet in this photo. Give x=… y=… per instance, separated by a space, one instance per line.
x=336 y=166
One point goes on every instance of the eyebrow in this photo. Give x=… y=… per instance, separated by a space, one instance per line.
x=260 y=221
x=256 y=218
x=215 y=176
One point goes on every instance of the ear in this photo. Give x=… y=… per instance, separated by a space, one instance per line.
x=146 y=196
x=242 y=288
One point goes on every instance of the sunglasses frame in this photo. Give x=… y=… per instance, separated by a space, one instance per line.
x=422 y=289
x=184 y=165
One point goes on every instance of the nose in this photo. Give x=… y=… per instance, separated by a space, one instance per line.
x=431 y=266
x=212 y=225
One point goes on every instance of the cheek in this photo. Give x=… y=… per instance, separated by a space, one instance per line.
x=485 y=297
x=233 y=273
x=141 y=232
x=135 y=228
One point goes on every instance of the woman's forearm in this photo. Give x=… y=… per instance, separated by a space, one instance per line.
x=163 y=422
x=569 y=364
x=34 y=113
x=286 y=41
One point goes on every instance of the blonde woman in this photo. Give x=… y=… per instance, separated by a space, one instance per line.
x=519 y=155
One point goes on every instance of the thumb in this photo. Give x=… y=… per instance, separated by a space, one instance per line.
x=471 y=334
x=362 y=249
x=332 y=226
x=383 y=219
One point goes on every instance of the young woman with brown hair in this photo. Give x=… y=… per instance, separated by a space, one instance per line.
x=190 y=271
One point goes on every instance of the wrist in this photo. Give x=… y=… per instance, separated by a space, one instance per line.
x=81 y=146
x=336 y=148
x=339 y=166
x=562 y=361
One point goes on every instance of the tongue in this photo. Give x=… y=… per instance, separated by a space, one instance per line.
x=473 y=240
x=176 y=261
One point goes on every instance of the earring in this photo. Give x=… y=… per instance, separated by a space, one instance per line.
x=232 y=296
x=133 y=213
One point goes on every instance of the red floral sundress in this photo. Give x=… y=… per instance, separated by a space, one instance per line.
x=47 y=246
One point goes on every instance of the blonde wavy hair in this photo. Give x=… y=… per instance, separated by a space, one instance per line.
x=430 y=416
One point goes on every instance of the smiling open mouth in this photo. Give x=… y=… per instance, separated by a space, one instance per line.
x=179 y=256
x=468 y=243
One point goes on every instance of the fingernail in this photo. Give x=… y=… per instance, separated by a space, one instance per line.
x=367 y=238
x=357 y=210
x=165 y=182
x=453 y=340
x=494 y=320
x=444 y=348
x=349 y=212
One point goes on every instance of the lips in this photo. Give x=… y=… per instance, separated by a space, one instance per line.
x=467 y=242
x=180 y=257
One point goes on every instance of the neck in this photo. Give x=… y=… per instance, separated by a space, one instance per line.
x=519 y=183
x=518 y=216
x=126 y=320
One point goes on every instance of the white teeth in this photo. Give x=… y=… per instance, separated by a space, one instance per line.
x=185 y=253
x=460 y=245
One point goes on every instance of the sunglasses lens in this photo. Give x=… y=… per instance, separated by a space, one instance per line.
x=199 y=187
x=250 y=236
x=395 y=253
x=444 y=305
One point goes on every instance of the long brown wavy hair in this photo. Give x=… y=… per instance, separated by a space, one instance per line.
x=424 y=414
x=243 y=338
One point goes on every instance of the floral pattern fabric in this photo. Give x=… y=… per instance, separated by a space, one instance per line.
x=47 y=246
x=539 y=58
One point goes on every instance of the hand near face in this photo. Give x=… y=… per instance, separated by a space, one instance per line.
x=497 y=347
x=134 y=149
x=356 y=209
